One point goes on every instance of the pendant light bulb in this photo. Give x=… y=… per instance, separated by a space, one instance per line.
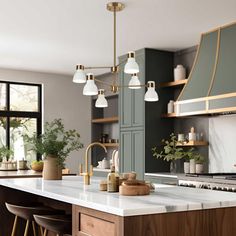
x=134 y=82
x=90 y=88
x=131 y=66
x=101 y=100
x=79 y=76
x=151 y=94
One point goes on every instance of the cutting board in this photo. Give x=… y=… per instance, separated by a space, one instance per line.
x=134 y=190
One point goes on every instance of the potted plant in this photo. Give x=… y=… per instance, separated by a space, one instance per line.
x=171 y=152
x=55 y=144
x=190 y=161
x=199 y=160
x=5 y=158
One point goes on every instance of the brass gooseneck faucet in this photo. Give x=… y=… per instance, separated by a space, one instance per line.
x=88 y=173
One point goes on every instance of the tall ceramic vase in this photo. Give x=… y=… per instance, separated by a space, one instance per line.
x=51 y=169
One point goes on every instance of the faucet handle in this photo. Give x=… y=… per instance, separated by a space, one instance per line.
x=91 y=170
x=80 y=169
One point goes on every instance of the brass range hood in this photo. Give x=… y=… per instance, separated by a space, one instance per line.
x=211 y=86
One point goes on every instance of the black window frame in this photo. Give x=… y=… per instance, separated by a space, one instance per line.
x=7 y=113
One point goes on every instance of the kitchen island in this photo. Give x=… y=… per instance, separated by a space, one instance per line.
x=169 y=211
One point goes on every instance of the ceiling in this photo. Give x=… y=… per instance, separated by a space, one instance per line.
x=54 y=35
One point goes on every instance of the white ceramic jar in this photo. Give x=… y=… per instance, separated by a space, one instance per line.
x=192 y=167
x=179 y=73
x=170 y=107
x=199 y=168
x=186 y=167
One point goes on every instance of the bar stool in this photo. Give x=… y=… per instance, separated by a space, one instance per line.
x=59 y=224
x=26 y=212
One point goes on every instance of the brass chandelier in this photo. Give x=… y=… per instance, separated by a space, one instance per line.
x=131 y=67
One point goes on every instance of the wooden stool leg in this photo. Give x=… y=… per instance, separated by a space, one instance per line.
x=26 y=228
x=41 y=230
x=34 y=230
x=14 y=226
x=45 y=232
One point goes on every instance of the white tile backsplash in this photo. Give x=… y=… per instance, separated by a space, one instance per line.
x=222 y=139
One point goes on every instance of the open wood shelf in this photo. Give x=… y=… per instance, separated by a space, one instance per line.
x=193 y=143
x=113 y=119
x=173 y=83
x=169 y=115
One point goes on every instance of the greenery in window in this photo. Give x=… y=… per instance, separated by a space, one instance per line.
x=55 y=141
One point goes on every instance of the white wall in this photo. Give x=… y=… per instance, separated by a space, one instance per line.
x=61 y=99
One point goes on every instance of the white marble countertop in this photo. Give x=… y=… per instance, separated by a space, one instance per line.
x=164 y=199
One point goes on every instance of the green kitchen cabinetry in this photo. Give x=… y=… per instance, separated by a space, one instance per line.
x=140 y=124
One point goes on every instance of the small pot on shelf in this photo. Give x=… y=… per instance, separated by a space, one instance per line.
x=192 y=166
x=199 y=168
x=186 y=167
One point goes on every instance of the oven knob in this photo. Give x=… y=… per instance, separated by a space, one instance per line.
x=230 y=189
x=214 y=188
x=234 y=189
x=206 y=187
x=225 y=189
x=219 y=188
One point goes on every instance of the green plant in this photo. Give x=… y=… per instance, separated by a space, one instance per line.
x=5 y=152
x=55 y=141
x=172 y=152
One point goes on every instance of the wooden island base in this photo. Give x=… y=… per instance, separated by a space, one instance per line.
x=213 y=222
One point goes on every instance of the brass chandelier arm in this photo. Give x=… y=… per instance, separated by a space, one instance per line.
x=97 y=67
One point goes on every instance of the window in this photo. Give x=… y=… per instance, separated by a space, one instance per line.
x=20 y=113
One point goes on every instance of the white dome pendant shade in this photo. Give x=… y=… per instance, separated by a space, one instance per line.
x=151 y=94
x=79 y=76
x=90 y=88
x=134 y=82
x=101 y=100
x=131 y=66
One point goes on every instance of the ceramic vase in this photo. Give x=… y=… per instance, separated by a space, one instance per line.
x=170 y=107
x=192 y=166
x=51 y=169
x=186 y=167
x=199 y=168
x=179 y=73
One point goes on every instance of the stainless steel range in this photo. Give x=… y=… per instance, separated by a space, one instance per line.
x=213 y=181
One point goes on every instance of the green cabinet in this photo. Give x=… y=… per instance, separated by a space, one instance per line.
x=140 y=123
x=132 y=151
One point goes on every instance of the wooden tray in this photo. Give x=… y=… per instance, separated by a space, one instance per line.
x=134 y=190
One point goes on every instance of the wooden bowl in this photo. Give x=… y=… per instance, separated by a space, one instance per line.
x=38 y=167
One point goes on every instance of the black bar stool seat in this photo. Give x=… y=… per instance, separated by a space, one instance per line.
x=59 y=224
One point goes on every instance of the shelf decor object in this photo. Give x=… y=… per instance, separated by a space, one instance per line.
x=131 y=67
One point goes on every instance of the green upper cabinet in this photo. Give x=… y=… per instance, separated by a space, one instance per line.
x=131 y=100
